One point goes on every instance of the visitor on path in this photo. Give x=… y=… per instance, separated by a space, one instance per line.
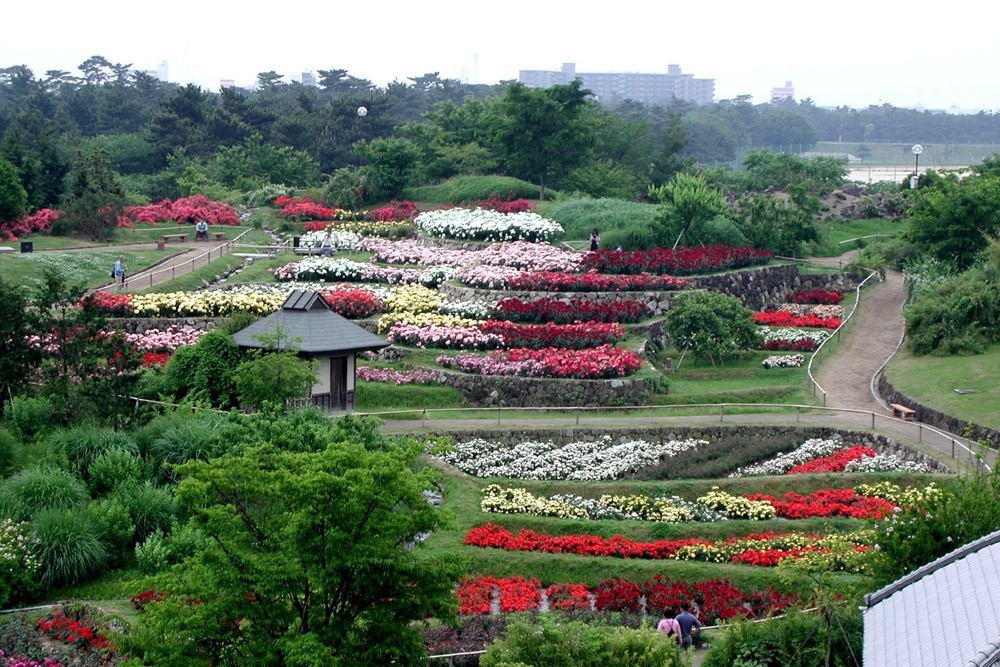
x=595 y=240
x=690 y=625
x=669 y=626
x=118 y=273
x=326 y=245
x=201 y=231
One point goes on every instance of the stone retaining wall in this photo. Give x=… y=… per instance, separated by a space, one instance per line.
x=736 y=435
x=523 y=392
x=937 y=419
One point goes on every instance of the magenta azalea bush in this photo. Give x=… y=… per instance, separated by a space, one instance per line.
x=596 y=363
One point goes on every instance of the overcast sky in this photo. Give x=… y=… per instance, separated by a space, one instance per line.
x=850 y=52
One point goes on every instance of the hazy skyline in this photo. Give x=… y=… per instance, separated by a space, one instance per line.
x=850 y=53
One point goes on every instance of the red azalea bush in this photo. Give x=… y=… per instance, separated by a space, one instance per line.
x=155 y=358
x=836 y=462
x=816 y=296
x=184 y=210
x=827 y=502
x=315 y=226
x=548 y=309
x=505 y=205
x=783 y=318
x=303 y=209
x=41 y=222
x=617 y=595
x=113 y=305
x=680 y=262
x=76 y=629
x=557 y=281
x=570 y=336
x=395 y=211
x=352 y=304
x=140 y=601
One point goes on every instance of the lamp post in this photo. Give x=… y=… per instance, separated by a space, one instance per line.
x=916 y=150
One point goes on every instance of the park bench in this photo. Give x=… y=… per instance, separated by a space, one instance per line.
x=903 y=412
x=218 y=236
x=167 y=238
x=6 y=248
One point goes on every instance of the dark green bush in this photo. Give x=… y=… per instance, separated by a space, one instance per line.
x=161 y=550
x=115 y=468
x=8 y=443
x=110 y=517
x=151 y=508
x=69 y=546
x=77 y=448
x=204 y=371
x=463 y=189
x=40 y=488
x=28 y=416
x=956 y=315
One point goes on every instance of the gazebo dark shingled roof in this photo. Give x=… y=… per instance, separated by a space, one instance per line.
x=306 y=321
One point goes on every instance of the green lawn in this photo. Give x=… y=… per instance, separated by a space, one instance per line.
x=90 y=268
x=932 y=381
x=840 y=236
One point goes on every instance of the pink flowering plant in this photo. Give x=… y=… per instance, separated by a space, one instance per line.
x=393 y=376
x=38 y=222
x=591 y=281
x=605 y=361
x=548 y=309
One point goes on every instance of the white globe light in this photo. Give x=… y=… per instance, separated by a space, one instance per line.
x=362 y=112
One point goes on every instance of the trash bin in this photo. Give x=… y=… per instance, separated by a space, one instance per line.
x=161 y=245
x=27 y=246
x=295 y=241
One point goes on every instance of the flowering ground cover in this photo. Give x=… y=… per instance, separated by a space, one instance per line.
x=761 y=549
x=77 y=628
x=493 y=334
x=547 y=309
x=354 y=304
x=389 y=375
x=791 y=340
x=784 y=318
x=598 y=459
x=486 y=225
x=817 y=296
x=784 y=361
x=604 y=361
x=717 y=599
x=817 y=455
x=817 y=310
x=340 y=239
x=555 y=281
x=342 y=269
x=513 y=255
x=680 y=262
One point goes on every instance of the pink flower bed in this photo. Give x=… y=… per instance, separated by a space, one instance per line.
x=552 y=281
x=548 y=309
x=680 y=262
x=605 y=361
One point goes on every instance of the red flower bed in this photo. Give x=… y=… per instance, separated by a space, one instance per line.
x=29 y=224
x=352 y=304
x=155 y=358
x=519 y=594
x=569 y=336
x=767 y=557
x=505 y=205
x=491 y=535
x=576 y=310
x=557 y=281
x=80 y=632
x=115 y=305
x=605 y=361
x=303 y=209
x=184 y=210
x=680 y=262
x=827 y=502
x=568 y=596
x=816 y=296
x=474 y=595
x=783 y=318
x=617 y=595
x=395 y=211
x=833 y=463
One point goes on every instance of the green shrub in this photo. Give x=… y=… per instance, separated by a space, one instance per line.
x=28 y=416
x=114 y=526
x=610 y=216
x=8 y=443
x=552 y=641
x=151 y=508
x=40 y=488
x=630 y=238
x=69 y=546
x=78 y=447
x=956 y=315
x=161 y=550
x=18 y=565
x=204 y=371
x=463 y=189
x=113 y=469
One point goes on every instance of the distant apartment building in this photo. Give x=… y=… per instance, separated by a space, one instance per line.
x=309 y=79
x=614 y=87
x=782 y=93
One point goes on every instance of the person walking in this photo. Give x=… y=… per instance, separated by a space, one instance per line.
x=669 y=626
x=689 y=624
x=118 y=273
x=595 y=240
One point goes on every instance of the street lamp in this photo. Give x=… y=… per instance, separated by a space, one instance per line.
x=916 y=150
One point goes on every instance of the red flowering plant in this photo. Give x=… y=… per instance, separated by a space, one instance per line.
x=475 y=595
x=519 y=594
x=548 y=309
x=394 y=211
x=816 y=296
x=680 y=262
x=783 y=318
x=827 y=502
x=155 y=359
x=77 y=628
x=144 y=598
x=106 y=303
x=591 y=281
x=595 y=363
x=304 y=209
x=505 y=205
x=617 y=595
x=352 y=303
x=568 y=597
x=836 y=462
x=570 y=336
x=40 y=221
x=184 y=210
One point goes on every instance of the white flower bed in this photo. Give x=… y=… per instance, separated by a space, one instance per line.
x=782 y=463
x=788 y=335
x=601 y=459
x=485 y=225
x=884 y=463
x=340 y=239
x=783 y=361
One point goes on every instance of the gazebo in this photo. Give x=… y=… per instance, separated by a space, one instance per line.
x=307 y=324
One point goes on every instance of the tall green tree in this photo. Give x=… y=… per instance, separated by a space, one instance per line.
x=310 y=565
x=16 y=324
x=540 y=132
x=95 y=200
x=391 y=165
x=688 y=207
x=31 y=144
x=13 y=198
x=712 y=325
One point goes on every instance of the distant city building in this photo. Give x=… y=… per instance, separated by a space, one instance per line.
x=160 y=73
x=611 y=88
x=782 y=93
x=309 y=79
x=227 y=83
